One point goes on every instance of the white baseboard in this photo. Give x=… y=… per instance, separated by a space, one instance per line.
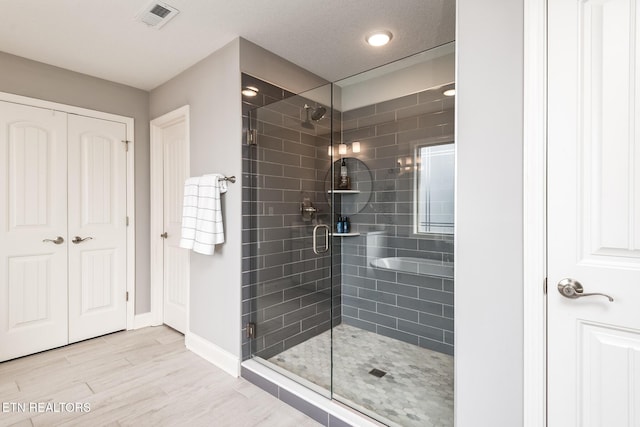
x=213 y=354
x=141 y=320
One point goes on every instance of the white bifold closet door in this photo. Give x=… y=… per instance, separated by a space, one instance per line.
x=33 y=230
x=62 y=228
x=97 y=227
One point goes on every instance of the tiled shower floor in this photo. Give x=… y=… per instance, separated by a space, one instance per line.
x=417 y=389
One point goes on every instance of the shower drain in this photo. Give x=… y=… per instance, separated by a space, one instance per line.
x=377 y=373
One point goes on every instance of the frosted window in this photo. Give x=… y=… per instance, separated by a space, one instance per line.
x=435 y=188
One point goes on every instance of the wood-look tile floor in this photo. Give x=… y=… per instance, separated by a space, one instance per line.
x=136 y=378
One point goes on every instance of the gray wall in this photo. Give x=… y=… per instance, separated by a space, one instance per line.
x=37 y=80
x=417 y=309
x=260 y=63
x=489 y=245
x=212 y=90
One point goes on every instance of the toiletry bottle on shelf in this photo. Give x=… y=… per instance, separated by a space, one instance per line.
x=346 y=225
x=340 y=226
x=344 y=182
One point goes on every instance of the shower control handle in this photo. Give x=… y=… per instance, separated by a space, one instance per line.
x=315 y=239
x=307 y=210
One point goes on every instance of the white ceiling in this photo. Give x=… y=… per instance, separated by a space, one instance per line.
x=102 y=39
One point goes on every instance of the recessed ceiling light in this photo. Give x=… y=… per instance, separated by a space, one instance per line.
x=250 y=91
x=449 y=92
x=379 y=38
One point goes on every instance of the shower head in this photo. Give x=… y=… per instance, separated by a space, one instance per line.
x=307 y=122
x=317 y=114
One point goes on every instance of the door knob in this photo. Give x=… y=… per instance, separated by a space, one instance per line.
x=79 y=239
x=58 y=240
x=573 y=289
x=164 y=235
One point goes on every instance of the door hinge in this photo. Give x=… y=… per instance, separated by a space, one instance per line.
x=251 y=330
x=127 y=221
x=127 y=293
x=126 y=145
x=544 y=285
x=252 y=137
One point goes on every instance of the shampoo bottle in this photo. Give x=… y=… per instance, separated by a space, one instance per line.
x=343 y=170
x=344 y=182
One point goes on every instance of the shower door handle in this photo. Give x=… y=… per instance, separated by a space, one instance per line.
x=315 y=239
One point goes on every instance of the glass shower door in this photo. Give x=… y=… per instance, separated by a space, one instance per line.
x=393 y=350
x=287 y=222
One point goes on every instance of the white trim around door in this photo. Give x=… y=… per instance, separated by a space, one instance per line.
x=157 y=126
x=131 y=228
x=534 y=208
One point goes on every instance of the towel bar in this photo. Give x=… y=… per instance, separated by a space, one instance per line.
x=231 y=179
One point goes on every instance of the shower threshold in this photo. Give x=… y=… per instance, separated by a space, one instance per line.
x=317 y=406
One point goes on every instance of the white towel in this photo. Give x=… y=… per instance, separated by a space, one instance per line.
x=209 y=226
x=189 y=212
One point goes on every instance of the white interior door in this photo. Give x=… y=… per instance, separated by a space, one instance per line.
x=97 y=227
x=175 y=150
x=594 y=213
x=33 y=230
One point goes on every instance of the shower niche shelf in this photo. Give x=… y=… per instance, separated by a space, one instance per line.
x=351 y=201
x=345 y=234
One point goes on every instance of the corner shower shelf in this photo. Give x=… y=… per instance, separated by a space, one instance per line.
x=345 y=234
x=344 y=191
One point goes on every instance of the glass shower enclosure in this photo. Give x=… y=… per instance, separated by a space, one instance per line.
x=348 y=237
x=288 y=223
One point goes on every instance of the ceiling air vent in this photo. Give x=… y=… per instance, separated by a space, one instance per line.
x=157 y=14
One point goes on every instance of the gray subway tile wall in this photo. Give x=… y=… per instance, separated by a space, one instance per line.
x=407 y=306
x=286 y=286
x=287 y=290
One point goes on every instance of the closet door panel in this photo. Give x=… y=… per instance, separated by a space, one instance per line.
x=33 y=230
x=97 y=227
